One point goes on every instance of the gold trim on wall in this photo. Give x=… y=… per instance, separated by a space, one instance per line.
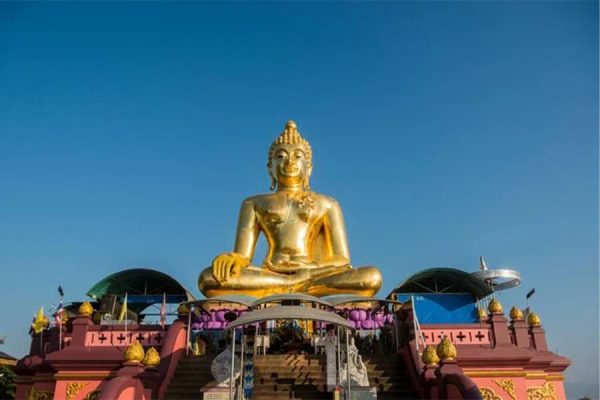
x=508 y=385
x=545 y=392
x=73 y=388
x=488 y=394
x=514 y=374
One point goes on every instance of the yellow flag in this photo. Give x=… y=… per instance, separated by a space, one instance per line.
x=40 y=322
x=123 y=312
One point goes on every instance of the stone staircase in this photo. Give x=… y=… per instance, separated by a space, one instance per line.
x=289 y=376
x=389 y=375
x=192 y=374
x=297 y=376
x=292 y=376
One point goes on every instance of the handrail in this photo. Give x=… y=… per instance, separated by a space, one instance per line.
x=417 y=326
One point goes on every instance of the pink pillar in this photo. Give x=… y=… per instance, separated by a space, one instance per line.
x=499 y=330
x=521 y=330
x=81 y=325
x=539 y=338
x=429 y=382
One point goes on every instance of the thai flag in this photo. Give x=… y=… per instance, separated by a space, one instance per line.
x=59 y=312
x=163 y=312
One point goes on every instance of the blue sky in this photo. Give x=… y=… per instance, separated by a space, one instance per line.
x=130 y=133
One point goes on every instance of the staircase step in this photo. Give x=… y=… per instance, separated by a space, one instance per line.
x=292 y=377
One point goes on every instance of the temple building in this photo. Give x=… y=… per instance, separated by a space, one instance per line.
x=304 y=323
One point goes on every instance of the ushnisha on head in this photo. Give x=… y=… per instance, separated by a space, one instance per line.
x=290 y=159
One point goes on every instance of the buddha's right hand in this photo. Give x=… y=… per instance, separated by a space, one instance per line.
x=228 y=265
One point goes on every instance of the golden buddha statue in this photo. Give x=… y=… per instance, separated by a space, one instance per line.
x=308 y=249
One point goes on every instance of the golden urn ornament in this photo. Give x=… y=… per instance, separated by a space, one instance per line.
x=516 y=314
x=495 y=307
x=306 y=237
x=482 y=314
x=183 y=310
x=429 y=356
x=134 y=352
x=534 y=320
x=86 y=309
x=152 y=358
x=446 y=350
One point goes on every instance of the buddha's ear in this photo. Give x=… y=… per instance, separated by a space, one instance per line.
x=273 y=182
x=305 y=184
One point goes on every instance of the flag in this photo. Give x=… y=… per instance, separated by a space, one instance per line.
x=123 y=313
x=60 y=291
x=531 y=292
x=59 y=313
x=163 y=312
x=40 y=322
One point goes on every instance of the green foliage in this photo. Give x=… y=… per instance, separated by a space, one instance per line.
x=7 y=382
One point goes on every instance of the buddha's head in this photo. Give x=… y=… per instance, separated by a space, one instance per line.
x=290 y=159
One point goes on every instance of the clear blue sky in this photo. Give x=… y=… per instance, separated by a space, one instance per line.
x=130 y=133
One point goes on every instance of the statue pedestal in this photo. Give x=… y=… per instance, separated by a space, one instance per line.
x=216 y=393
x=363 y=393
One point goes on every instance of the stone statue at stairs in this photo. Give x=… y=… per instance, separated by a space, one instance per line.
x=221 y=367
x=358 y=370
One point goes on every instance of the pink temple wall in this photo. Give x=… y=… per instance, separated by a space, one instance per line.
x=521 y=384
x=60 y=391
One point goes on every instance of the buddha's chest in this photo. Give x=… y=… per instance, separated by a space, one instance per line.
x=286 y=212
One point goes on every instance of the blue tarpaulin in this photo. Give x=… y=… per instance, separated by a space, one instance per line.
x=435 y=308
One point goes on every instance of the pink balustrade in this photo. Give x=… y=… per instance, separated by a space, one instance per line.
x=463 y=334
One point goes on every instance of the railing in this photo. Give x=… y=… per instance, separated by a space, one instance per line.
x=417 y=327
x=463 y=334
x=116 y=335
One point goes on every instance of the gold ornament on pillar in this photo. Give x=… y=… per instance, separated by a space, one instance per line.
x=495 y=307
x=516 y=314
x=134 y=352
x=482 y=314
x=183 y=310
x=446 y=350
x=86 y=309
x=534 y=320
x=429 y=356
x=152 y=358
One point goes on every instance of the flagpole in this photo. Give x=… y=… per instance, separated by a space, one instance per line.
x=187 y=344
x=125 y=316
x=60 y=332
x=60 y=319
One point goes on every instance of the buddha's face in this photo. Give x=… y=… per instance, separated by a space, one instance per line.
x=289 y=165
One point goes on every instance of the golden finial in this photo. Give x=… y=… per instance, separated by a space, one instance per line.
x=134 y=352
x=429 y=356
x=516 y=314
x=482 y=314
x=86 y=309
x=495 y=307
x=183 y=310
x=446 y=350
x=152 y=358
x=290 y=135
x=534 y=320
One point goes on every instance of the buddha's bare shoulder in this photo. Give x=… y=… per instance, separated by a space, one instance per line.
x=259 y=199
x=325 y=200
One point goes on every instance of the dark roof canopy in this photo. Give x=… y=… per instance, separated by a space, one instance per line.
x=242 y=299
x=288 y=313
x=444 y=280
x=341 y=299
x=300 y=297
x=140 y=282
